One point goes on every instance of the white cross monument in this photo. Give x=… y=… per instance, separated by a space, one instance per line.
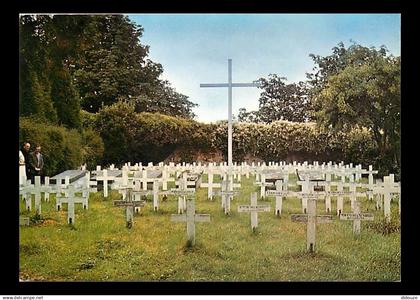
x=230 y=85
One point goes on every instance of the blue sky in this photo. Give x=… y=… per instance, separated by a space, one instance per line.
x=194 y=49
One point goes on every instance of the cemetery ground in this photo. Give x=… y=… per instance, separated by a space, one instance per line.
x=99 y=247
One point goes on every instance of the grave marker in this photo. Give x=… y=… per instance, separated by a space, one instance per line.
x=129 y=204
x=311 y=219
x=105 y=178
x=357 y=217
x=254 y=209
x=278 y=193
x=227 y=194
x=71 y=199
x=23 y=221
x=190 y=218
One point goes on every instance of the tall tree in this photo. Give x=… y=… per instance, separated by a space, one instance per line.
x=47 y=43
x=115 y=67
x=360 y=86
x=279 y=101
x=34 y=85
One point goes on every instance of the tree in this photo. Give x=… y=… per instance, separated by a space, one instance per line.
x=115 y=68
x=279 y=101
x=342 y=57
x=365 y=92
x=34 y=85
x=46 y=89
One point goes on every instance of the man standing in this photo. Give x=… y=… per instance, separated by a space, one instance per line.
x=37 y=163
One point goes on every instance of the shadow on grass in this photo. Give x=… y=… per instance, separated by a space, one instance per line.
x=316 y=256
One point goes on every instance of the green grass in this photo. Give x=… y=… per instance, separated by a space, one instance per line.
x=99 y=247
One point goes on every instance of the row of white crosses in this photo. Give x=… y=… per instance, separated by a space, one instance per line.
x=182 y=191
x=129 y=188
x=68 y=189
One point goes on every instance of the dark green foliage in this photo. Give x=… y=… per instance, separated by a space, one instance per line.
x=144 y=137
x=88 y=119
x=34 y=86
x=61 y=147
x=65 y=98
x=46 y=88
x=131 y=136
x=360 y=86
x=279 y=101
x=69 y=62
x=92 y=148
x=115 y=67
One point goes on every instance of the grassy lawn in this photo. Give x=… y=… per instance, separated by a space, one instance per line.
x=100 y=248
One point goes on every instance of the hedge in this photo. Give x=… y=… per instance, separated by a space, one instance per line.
x=117 y=134
x=135 y=137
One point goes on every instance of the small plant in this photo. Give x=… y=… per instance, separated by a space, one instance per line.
x=36 y=219
x=89 y=264
x=384 y=226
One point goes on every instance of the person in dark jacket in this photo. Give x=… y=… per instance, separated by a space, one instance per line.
x=37 y=163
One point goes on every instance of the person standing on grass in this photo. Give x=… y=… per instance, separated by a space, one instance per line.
x=24 y=165
x=37 y=163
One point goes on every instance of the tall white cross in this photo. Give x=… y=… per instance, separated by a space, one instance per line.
x=230 y=85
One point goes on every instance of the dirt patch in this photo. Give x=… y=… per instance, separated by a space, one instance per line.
x=25 y=276
x=48 y=222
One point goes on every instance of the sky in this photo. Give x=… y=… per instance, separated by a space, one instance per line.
x=195 y=48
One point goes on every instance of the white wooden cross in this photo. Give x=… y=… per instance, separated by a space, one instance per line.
x=388 y=189
x=105 y=178
x=166 y=177
x=356 y=216
x=210 y=185
x=25 y=190
x=86 y=187
x=28 y=190
x=230 y=85
x=227 y=194
x=311 y=219
x=327 y=190
x=37 y=192
x=191 y=217
x=181 y=192
x=155 y=195
x=126 y=184
x=61 y=187
x=70 y=199
x=129 y=204
x=46 y=188
x=279 y=194
x=263 y=184
x=254 y=209
x=370 y=173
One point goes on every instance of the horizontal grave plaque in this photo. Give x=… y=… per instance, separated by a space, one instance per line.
x=227 y=193
x=196 y=218
x=303 y=218
x=182 y=192
x=277 y=193
x=23 y=221
x=128 y=203
x=247 y=208
x=353 y=216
